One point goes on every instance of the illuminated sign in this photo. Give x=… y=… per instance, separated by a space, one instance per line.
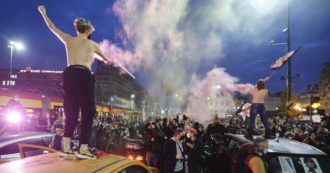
x=41 y=71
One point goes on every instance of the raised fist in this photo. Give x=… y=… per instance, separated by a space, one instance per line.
x=42 y=9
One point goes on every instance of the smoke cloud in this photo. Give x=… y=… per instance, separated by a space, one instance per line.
x=173 y=40
x=213 y=94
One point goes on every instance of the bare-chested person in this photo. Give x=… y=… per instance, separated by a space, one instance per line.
x=78 y=82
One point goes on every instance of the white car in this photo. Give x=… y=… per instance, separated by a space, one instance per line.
x=287 y=156
x=9 y=149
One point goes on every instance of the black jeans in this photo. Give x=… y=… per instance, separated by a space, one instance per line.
x=182 y=171
x=78 y=86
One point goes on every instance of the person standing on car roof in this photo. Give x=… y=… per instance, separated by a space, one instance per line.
x=78 y=81
x=259 y=94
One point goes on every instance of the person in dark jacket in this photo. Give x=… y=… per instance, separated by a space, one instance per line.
x=174 y=154
x=193 y=147
x=154 y=145
x=216 y=128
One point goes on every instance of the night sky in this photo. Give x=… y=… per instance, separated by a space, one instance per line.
x=247 y=58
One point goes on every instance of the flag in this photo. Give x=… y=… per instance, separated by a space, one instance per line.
x=283 y=59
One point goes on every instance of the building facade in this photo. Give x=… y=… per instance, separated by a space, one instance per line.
x=117 y=87
x=43 y=82
x=114 y=86
x=324 y=85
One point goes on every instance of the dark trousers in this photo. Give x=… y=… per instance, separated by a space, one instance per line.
x=257 y=108
x=179 y=171
x=152 y=159
x=78 y=86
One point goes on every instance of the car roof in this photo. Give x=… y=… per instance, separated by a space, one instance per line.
x=285 y=146
x=13 y=138
x=54 y=163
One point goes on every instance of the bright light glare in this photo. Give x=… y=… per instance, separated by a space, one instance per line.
x=139 y=158
x=13 y=117
x=316 y=105
x=17 y=45
x=297 y=107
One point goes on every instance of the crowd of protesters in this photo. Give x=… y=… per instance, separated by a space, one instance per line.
x=178 y=143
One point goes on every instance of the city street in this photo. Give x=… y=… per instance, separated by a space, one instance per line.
x=129 y=86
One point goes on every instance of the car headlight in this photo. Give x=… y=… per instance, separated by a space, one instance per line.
x=13 y=117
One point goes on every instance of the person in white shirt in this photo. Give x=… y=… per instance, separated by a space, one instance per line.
x=259 y=94
x=245 y=112
x=78 y=82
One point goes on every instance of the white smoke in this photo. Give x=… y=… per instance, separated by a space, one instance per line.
x=213 y=94
x=170 y=40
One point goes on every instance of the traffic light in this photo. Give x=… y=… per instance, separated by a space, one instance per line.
x=315 y=104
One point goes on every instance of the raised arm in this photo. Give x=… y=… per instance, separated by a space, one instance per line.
x=99 y=52
x=61 y=35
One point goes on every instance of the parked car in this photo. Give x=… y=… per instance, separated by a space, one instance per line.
x=286 y=155
x=9 y=149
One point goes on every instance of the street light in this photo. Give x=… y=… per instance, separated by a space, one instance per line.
x=274 y=43
x=287 y=30
x=132 y=100
x=14 y=45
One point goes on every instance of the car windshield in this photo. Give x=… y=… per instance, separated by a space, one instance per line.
x=279 y=163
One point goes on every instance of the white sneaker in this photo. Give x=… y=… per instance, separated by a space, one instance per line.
x=84 y=153
x=83 y=156
x=67 y=154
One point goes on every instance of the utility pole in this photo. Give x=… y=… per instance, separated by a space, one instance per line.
x=289 y=76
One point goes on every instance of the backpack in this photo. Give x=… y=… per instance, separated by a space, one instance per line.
x=240 y=157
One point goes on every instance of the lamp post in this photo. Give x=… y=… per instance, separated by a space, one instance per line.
x=288 y=48
x=132 y=100
x=14 y=45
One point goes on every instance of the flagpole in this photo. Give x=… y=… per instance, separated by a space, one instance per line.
x=289 y=76
x=271 y=75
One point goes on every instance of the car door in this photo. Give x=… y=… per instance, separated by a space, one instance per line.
x=11 y=151
x=295 y=163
